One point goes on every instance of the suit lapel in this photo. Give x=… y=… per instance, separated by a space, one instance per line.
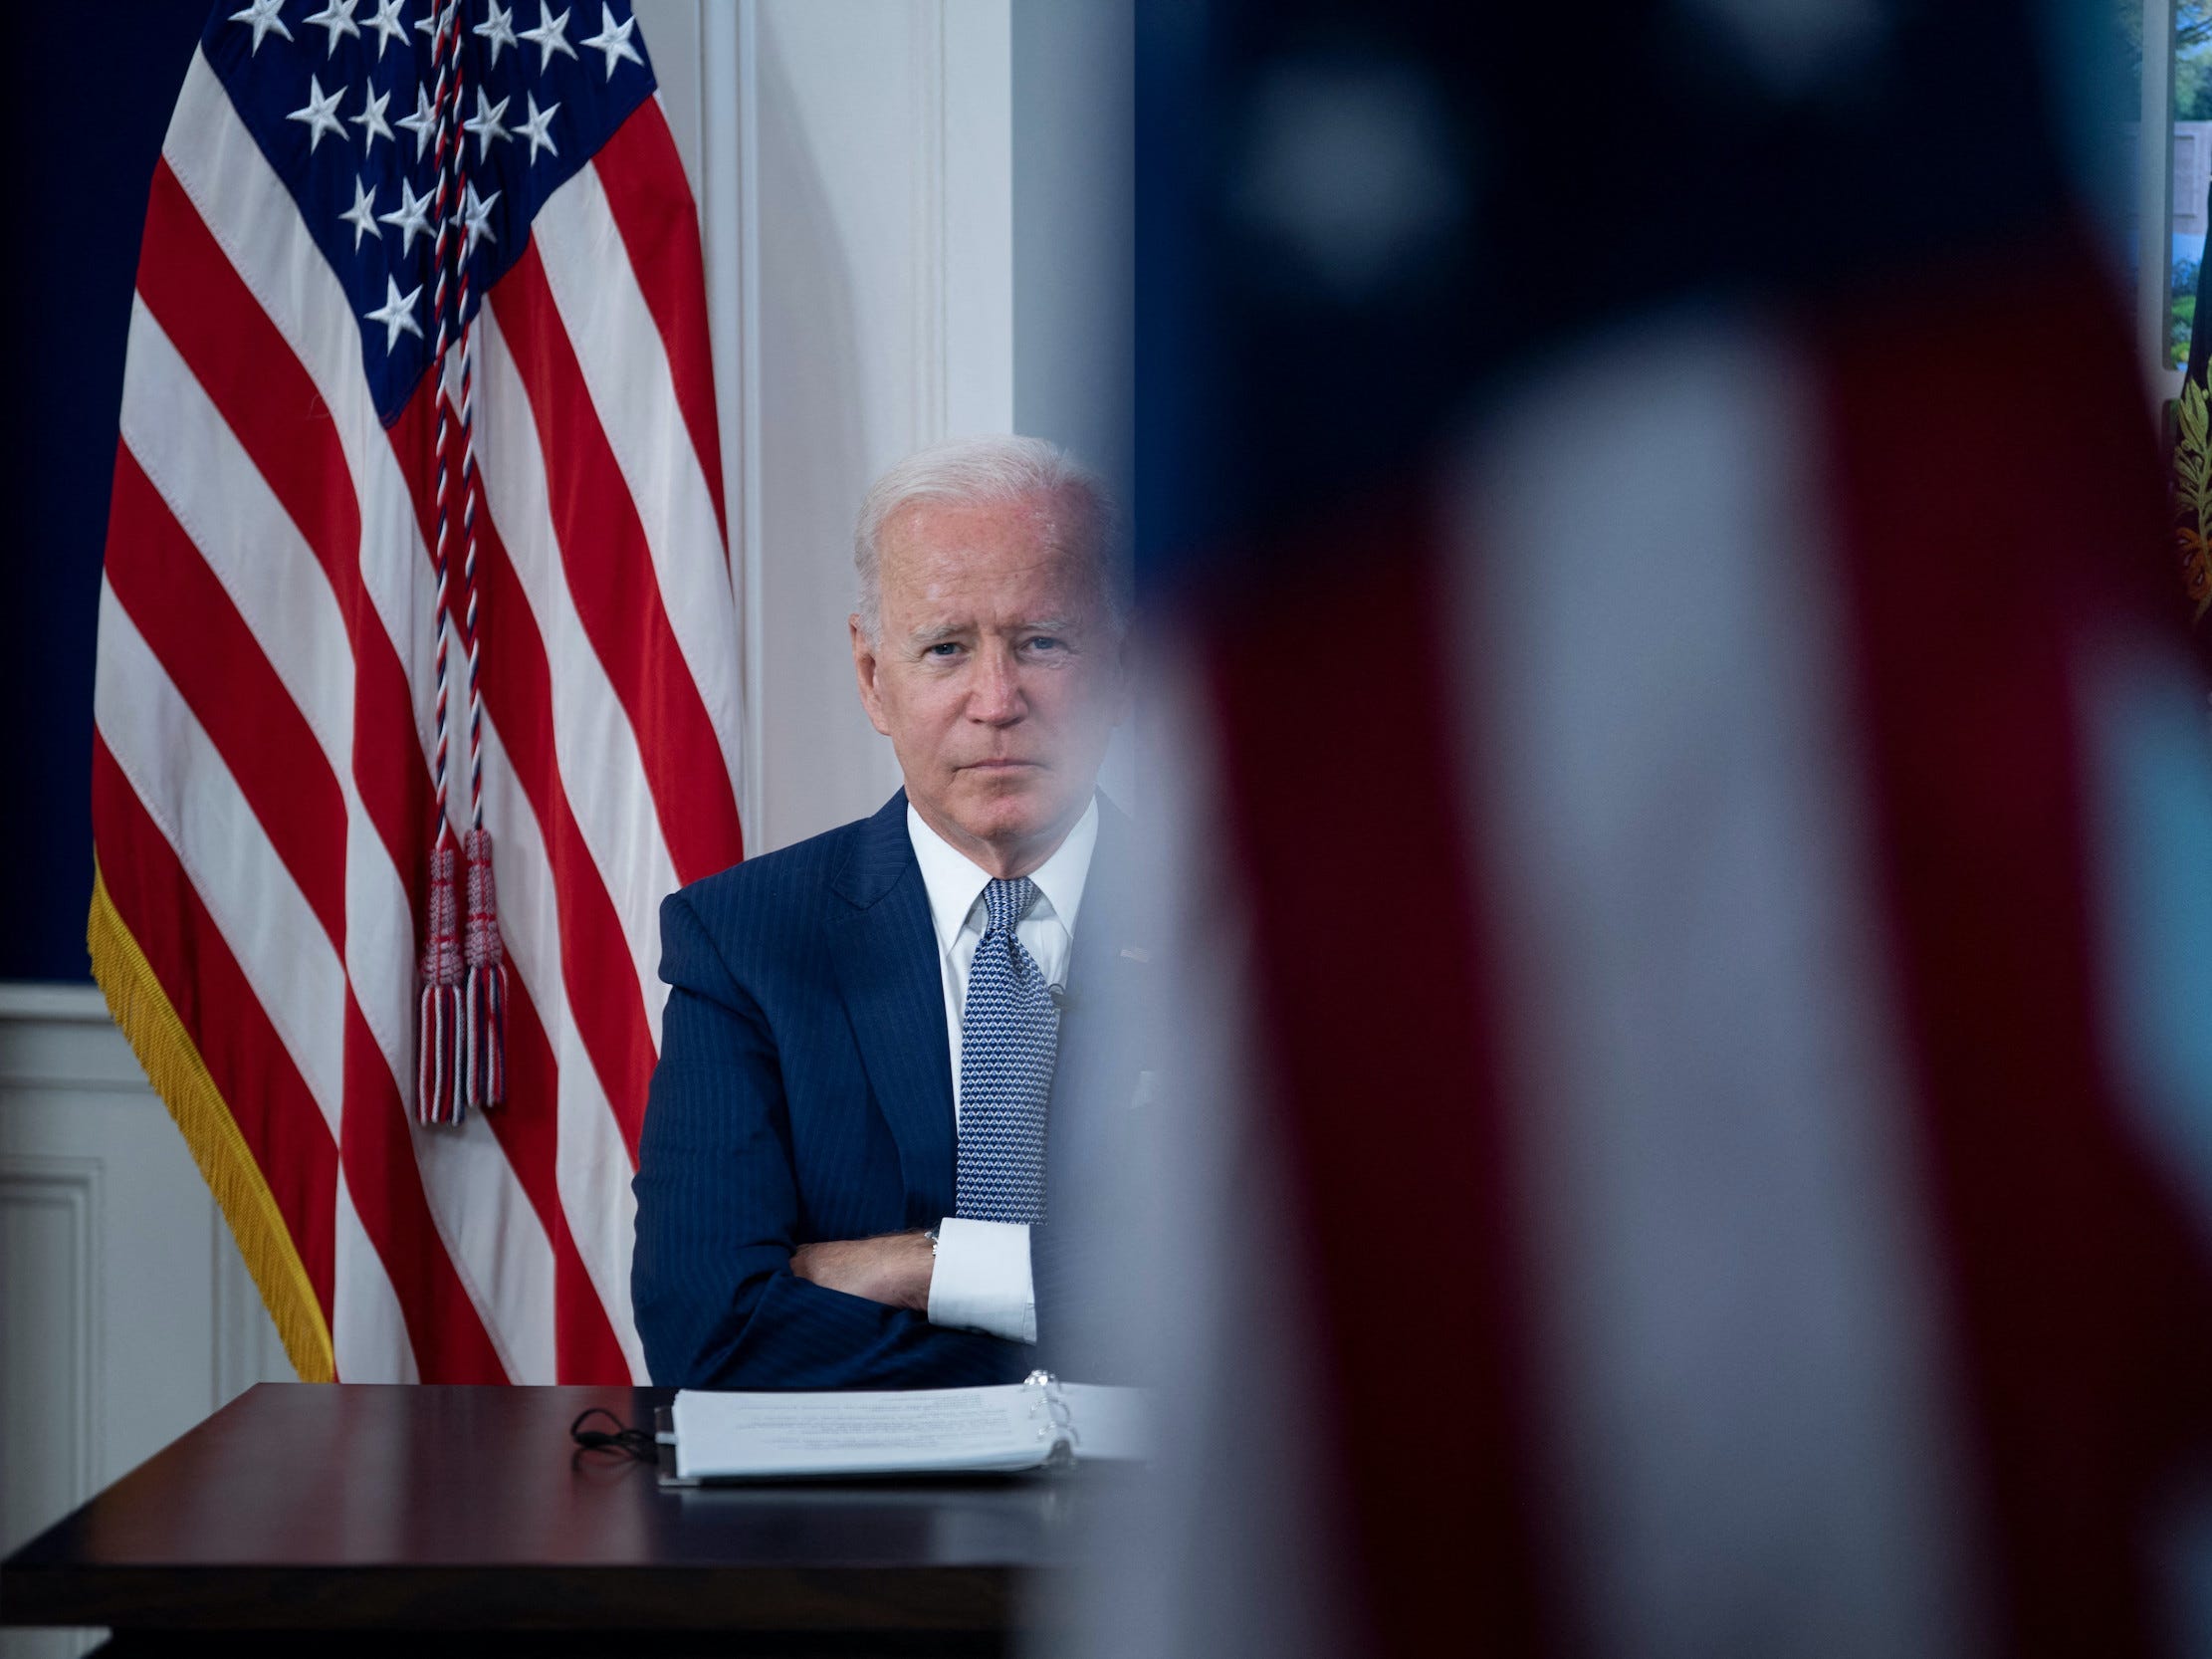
x=886 y=960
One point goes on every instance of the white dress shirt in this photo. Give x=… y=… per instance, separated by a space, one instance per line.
x=981 y=1281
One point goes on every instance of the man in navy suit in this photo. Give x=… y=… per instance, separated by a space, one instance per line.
x=846 y=1177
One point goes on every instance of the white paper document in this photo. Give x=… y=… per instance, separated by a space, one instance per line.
x=921 y=1431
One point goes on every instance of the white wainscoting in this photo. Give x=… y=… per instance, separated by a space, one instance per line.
x=126 y=1312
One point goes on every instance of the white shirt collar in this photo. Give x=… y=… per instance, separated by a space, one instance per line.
x=954 y=883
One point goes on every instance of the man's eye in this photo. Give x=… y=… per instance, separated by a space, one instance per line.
x=945 y=651
x=1044 y=642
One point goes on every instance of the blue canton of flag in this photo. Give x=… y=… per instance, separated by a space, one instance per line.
x=341 y=105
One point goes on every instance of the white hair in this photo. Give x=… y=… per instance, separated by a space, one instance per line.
x=989 y=471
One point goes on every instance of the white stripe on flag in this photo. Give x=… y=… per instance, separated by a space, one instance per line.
x=1731 y=1240
x=592 y=1167
x=493 y=1234
x=591 y=731
x=368 y=1334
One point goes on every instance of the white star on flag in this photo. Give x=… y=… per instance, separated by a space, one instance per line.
x=615 y=43
x=485 y=123
x=498 y=28
x=261 y=17
x=371 y=120
x=387 y=25
x=397 y=312
x=413 y=215
x=550 y=35
x=480 y=218
x=535 y=128
x=423 y=122
x=335 y=19
x=321 y=113
x=363 y=214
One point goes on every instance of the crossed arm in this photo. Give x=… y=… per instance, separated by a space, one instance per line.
x=894 y=1269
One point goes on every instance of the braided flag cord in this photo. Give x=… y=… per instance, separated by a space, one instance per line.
x=399 y=257
x=441 y=1088
x=464 y=993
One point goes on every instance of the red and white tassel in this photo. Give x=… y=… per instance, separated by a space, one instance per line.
x=486 y=1030
x=439 y=1095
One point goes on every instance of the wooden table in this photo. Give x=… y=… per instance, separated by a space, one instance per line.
x=458 y=1516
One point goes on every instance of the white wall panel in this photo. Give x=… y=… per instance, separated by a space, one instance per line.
x=126 y=1314
x=873 y=215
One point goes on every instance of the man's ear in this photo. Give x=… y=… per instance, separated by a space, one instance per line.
x=864 y=666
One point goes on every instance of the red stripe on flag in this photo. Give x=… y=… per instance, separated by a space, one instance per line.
x=1994 y=499
x=246 y=1059
x=609 y=569
x=649 y=195
x=1400 y=1149
x=528 y=1131
x=515 y=682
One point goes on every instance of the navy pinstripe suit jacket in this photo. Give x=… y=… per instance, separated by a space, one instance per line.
x=805 y=1094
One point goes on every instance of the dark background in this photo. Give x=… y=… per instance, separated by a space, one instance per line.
x=89 y=97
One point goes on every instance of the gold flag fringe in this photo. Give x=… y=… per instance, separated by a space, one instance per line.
x=174 y=1066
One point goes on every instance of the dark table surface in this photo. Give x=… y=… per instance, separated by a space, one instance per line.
x=340 y=1507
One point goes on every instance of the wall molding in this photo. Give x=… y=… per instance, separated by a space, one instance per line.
x=929 y=414
x=730 y=234
x=60 y=1038
x=72 y=1185
x=54 y=1001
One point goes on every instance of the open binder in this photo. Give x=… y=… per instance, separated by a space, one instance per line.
x=709 y=1437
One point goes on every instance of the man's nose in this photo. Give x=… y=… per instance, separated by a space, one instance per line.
x=996 y=696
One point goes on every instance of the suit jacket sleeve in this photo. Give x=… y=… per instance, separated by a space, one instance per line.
x=718 y=1214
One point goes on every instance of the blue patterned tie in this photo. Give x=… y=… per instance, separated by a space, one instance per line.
x=1009 y=1036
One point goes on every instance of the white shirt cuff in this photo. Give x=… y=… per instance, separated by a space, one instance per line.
x=981 y=1281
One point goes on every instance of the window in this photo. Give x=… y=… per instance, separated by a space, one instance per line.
x=2171 y=140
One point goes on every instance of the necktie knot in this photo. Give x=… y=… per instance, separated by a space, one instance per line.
x=1007 y=903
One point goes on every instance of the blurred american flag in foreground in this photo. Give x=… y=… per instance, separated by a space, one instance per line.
x=1713 y=1153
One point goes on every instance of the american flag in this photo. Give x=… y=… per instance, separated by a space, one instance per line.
x=1699 y=896
x=264 y=806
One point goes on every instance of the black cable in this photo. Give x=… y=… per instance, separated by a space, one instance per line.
x=623 y=1442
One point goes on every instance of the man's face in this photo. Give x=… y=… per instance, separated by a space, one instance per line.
x=998 y=677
